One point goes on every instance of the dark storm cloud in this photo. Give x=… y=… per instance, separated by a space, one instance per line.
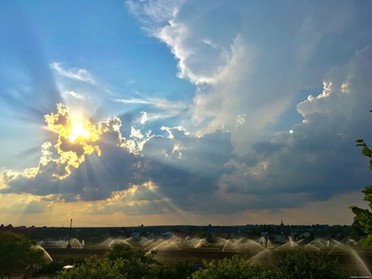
x=319 y=160
x=116 y=170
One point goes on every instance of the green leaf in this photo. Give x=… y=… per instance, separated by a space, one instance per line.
x=364 y=242
x=359 y=141
x=366 y=151
x=367 y=190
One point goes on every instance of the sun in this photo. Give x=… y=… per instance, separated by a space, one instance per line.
x=78 y=137
x=78 y=131
x=73 y=127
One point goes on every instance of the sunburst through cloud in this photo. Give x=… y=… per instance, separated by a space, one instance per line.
x=150 y=116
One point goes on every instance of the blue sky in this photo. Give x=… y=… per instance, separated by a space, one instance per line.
x=183 y=112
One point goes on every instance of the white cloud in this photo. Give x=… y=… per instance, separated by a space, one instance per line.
x=178 y=138
x=284 y=171
x=247 y=74
x=73 y=73
x=193 y=53
x=243 y=64
x=158 y=108
x=154 y=12
x=344 y=88
x=73 y=94
x=319 y=160
x=159 y=103
x=177 y=128
x=136 y=133
x=144 y=117
x=61 y=159
x=136 y=141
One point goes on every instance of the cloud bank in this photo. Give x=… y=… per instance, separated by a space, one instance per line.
x=258 y=74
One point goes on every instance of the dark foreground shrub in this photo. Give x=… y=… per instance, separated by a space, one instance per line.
x=52 y=268
x=301 y=264
x=235 y=268
x=180 y=270
x=17 y=254
x=93 y=268
x=120 y=262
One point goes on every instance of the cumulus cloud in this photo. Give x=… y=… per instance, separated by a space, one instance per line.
x=226 y=153
x=311 y=162
x=284 y=171
x=178 y=170
x=237 y=70
x=74 y=141
x=344 y=88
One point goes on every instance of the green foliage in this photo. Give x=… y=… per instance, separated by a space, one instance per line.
x=235 y=268
x=300 y=264
x=363 y=222
x=124 y=251
x=18 y=255
x=363 y=217
x=121 y=262
x=94 y=268
x=366 y=151
x=135 y=262
x=53 y=267
x=181 y=270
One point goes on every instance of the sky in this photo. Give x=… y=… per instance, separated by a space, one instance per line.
x=172 y=112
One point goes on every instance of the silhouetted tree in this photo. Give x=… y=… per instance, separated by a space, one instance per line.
x=363 y=217
x=17 y=254
x=120 y=262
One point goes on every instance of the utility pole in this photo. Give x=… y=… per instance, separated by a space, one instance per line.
x=69 y=236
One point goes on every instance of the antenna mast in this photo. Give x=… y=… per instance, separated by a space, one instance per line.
x=69 y=236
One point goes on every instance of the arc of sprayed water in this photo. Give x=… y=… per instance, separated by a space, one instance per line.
x=47 y=257
x=361 y=264
x=245 y=243
x=226 y=243
x=363 y=267
x=164 y=244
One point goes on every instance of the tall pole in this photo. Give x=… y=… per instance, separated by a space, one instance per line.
x=69 y=236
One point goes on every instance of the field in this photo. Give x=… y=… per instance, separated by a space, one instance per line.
x=359 y=260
